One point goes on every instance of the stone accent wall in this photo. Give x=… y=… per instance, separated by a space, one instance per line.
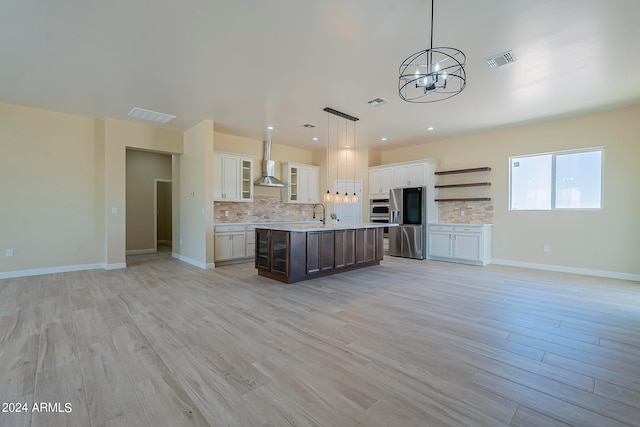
x=263 y=209
x=474 y=212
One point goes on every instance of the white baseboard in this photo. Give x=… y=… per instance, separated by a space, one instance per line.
x=141 y=251
x=51 y=270
x=572 y=270
x=204 y=266
x=116 y=266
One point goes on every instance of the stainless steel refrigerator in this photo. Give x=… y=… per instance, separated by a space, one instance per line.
x=408 y=209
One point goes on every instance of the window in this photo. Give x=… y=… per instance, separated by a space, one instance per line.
x=563 y=180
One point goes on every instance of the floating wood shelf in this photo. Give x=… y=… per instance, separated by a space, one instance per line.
x=483 y=169
x=466 y=199
x=469 y=184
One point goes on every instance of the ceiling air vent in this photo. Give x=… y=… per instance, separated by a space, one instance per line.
x=501 y=59
x=377 y=101
x=308 y=126
x=154 y=116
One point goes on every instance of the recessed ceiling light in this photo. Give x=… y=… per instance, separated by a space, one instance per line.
x=347 y=146
x=270 y=127
x=430 y=128
x=154 y=116
x=315 y=138
x=383 y=139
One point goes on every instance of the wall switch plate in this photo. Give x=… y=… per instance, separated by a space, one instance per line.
x=546 y=248
x=114 y=211
x=461 y=213
x=8 y=252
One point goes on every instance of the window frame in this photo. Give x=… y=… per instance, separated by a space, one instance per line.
x=553 y=155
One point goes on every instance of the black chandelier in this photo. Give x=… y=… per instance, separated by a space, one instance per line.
x=433 y=74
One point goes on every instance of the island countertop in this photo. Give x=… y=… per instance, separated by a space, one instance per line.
x=304 y=227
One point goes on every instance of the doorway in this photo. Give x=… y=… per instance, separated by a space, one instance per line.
x=163 y=217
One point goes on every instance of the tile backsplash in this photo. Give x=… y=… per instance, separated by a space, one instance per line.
x=263 y=209
x=475 y=212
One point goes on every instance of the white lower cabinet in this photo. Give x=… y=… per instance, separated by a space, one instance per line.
x=230 y=242
x=465 y=243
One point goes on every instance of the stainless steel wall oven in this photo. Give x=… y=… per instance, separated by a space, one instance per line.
x=379 y=213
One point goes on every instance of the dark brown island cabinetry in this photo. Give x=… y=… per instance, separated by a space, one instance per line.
x=293 y=255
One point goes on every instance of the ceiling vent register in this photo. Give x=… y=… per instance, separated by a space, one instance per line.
x=501 y=59
x=154 y=116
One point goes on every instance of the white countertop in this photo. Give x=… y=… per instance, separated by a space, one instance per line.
x=304 y=227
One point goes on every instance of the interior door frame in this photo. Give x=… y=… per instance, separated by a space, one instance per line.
x=155 y=209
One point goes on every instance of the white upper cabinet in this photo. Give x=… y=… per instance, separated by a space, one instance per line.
x=232 y=177
x=380 y=181
x=411 y=174
x=304 y=183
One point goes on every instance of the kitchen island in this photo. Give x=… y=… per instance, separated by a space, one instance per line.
x=296 y=252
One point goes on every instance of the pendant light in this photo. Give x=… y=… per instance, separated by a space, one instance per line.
x=433 y=74
x=327 y=195
x=337 y=198
x=354 y=198
x=346 y=130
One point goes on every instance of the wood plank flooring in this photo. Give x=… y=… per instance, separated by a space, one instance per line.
x=407 y=343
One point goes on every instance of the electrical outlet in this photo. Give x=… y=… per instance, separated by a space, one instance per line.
x=461 y=213
x=546 y=248
x=8 y=252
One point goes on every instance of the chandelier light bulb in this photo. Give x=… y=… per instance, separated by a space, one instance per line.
x=327 y=196
x=337 y=198
x=354 y=198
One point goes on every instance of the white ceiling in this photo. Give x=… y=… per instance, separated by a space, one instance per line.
x=246 y=64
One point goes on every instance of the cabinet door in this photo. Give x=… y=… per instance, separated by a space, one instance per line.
x=386 y=180
x=400 y=176
x=416 y=175
x=375 y=182
x=246 y=180
x=313 y=187
x=231 y=179
x=238 y=245
x=303 y=184
x=262 y=248
x=294 y=181
x=222 y=247
x=468 y=246
x=439 y=244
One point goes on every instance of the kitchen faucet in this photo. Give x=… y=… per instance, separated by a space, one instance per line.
x=324 y=212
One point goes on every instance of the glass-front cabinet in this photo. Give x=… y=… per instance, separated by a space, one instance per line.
x=232 y=177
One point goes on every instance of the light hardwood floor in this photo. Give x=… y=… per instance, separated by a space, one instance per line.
x=407 y=343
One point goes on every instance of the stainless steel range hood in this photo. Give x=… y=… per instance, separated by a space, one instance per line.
x=269 y=169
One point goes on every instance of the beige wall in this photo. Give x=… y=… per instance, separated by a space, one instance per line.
x=51 y=190
x=142 y=169
x=119 y=136
x=196 y=196
x=604 y=240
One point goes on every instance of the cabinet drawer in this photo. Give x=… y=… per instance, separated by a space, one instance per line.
x=229 y=228
x=467 y=229
x=435 y=227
